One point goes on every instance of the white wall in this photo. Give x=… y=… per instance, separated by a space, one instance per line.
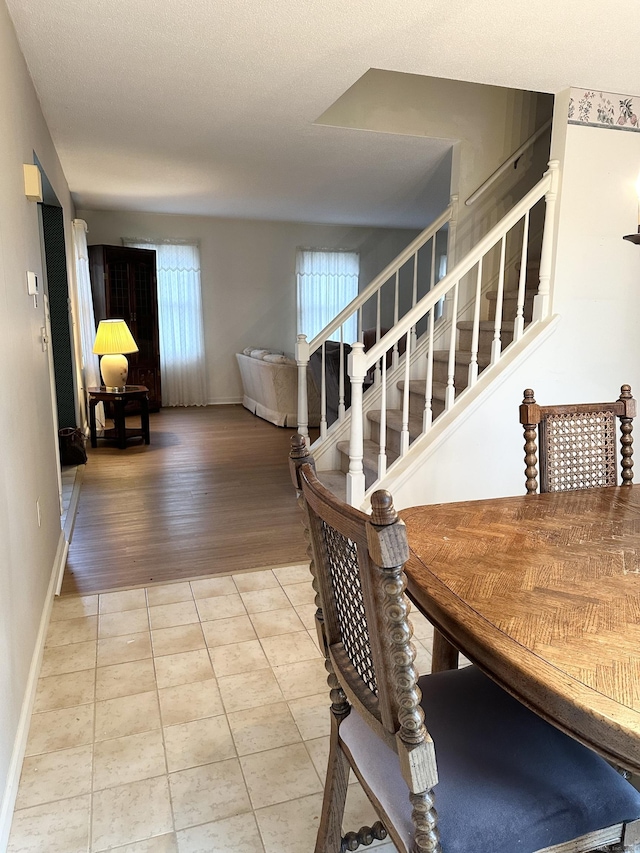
x=248 y=276
x=27 y=463
x=595 y=347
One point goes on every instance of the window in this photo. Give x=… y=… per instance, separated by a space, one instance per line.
x=327 y=281
x=182 y=356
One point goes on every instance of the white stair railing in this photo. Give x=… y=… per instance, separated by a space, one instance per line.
x=368 y=300
x=462 y=292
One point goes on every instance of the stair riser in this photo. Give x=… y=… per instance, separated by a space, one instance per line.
x=441 y=374
x=510 y=307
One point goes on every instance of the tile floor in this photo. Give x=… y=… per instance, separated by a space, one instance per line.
x=183 y=718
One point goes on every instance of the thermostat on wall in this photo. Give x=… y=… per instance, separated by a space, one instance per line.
x=32 y=284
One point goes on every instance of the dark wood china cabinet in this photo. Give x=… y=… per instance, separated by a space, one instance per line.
x=123 y=283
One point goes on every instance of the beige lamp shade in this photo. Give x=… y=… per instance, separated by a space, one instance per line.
x=113 y=339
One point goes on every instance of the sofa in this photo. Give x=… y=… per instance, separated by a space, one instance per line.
x=270 y=384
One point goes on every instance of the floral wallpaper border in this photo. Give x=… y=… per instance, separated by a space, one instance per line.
x=604 y=109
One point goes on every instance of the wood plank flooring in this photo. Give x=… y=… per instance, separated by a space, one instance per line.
x=210 y=494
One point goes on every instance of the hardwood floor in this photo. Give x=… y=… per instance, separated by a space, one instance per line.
x=210 y=494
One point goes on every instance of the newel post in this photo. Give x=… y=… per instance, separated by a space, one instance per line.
x=355 y=477
x=541 y=302
x=302 y=360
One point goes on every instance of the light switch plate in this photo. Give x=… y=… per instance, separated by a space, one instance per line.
x=32 y=284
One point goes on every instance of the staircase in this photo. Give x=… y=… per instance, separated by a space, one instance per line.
x=491 y=301
x=417 y=395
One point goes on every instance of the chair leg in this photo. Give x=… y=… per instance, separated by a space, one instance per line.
x=444 y=656
x=329 y=839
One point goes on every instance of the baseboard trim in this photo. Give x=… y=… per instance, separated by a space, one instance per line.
x=20 y=742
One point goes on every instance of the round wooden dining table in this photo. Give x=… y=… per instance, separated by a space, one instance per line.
x=542 y=592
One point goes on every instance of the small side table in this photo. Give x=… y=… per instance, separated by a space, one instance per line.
x=119 y=399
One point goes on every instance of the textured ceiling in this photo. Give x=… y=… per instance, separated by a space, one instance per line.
x=205 y=107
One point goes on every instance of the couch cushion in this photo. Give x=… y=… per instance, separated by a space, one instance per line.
x=278 y=358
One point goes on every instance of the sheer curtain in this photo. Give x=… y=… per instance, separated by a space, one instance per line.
x=327 y=282
x=182 y=356
x=86 y=319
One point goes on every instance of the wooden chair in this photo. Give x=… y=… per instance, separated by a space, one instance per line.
x=505 y=781
x=577 y=443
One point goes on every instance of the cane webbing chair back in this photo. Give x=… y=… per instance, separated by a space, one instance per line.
x=577 y=444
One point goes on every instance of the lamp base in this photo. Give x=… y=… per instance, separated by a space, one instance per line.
x=114 y=370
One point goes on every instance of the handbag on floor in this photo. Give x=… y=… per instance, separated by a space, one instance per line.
x=72 y=450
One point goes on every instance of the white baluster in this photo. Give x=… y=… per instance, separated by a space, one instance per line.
x=518 y=326
x=382 y=440
x=453 y=227
x=341 y=406
x=360 y=323
x=541 y=303
x=414 y=299
x=302 y=360
x=450 y=394
x=323 y=395
x=475 y=332
x=376 y=373
x=427 y=418
x=404 y=435
x=396 y=308
x=355 y=477
x=496 y=343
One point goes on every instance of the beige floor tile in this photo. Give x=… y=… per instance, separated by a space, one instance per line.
x=74 y=606
x=125 y=679
x=64 y=691
x=127 y=715
x=238 y=658
x=300 y=593
x=251 y=581
x=301 y=679
x=143 y=810
x=160 y=844
x=169 y=593
x=127 y=622
x=213 y=587
x=237 y=834
x=262 y=728
x=224 y=632
x=209 y=793
x=183 y=668
x=293 y=574
x=187 y=702
x=80 y=630
x=318 y=750
x=126 y=647
x=60 y=659
x=128 y=759
x=240 y=692
x=55 y=776
x=312 y=714
x=265 y=599
x=60 y=827
x=181 y=638
x=60 y=729
x=313 y=636
x=290 y=827
x=423 y=658
x=290 y=765
x=358 y=812
x=198 y=742
x=422 y=628
x=307 y=614
x=126 y=599
x=289 y=648
x=170 y=615
x=273 y=622
x=220 y=607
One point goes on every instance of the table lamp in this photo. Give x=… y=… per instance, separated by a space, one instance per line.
x=113 y=340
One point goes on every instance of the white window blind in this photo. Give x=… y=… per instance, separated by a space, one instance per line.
x=181 y=328
x=327 y=281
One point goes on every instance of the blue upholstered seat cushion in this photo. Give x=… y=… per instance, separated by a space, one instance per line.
x=508 y=781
